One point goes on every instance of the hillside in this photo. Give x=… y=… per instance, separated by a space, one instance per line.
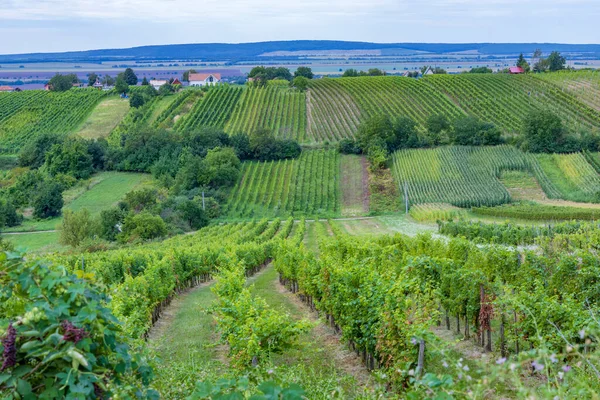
x=240 y=51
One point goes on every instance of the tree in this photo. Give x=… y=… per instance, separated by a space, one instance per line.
x=186 y=75
x=108 y=80
x=522 y=62
x=71 y=158
x=222 y=166
x=348 y=146
x=136 y=100
x=166 y=89
x=543 y=131
x=130 y=77
x=436 y=126
x=62 y=83
x=556 y=61
x=350 y=73
x=481 y=70
x=48 y=201
x=92 y=78
x=300 y=83
x=76 y=227
x=241 y=144
x=192 y=213
x=121 y=85
x=142 y=199
x=110 y=223
x=375 y=72
x=145 y=82
x=470 y=131
x=143 y=226
x=33 y=154
x=8 y=214
x=305 y=72
x=377 y=130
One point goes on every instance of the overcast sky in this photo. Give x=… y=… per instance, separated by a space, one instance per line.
x=62 y=25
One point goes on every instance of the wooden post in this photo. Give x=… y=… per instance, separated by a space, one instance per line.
x=467 y=333
x=447 y=320
x=458 y=323
x=502 y=339
x=421 y=362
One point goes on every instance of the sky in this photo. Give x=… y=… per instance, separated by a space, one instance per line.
x=61 y=25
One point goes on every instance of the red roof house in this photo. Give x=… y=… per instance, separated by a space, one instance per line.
x=6 y=89
x=176 y=82
x=516 y=70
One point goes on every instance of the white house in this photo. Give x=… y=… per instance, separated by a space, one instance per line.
x=156 y=84
x=429 y=71
x=204 y=79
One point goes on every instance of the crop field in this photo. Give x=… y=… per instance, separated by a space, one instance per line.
x=396 y=97
x=572 y=176
x=279 y=109
x=506 y=100
x=179 y=107
x=213 y=109
x=308 y=186
x=332 y=114
x=104 y=118
x=27 y=114
x=585 y=85
x=457 y=175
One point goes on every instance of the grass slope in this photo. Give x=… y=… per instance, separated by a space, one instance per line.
x=572 y=175
x=354 y=179
x=104 y=118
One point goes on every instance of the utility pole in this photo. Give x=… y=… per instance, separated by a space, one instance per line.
x=203 y=204
x=406 y=197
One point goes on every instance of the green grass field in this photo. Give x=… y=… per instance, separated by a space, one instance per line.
x=36 y=242
x=572 y=175
x=104 y=118
x=354 y=185
x=104 y=191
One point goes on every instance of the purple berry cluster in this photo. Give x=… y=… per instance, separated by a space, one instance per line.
x=9 y=355
x=72 y=334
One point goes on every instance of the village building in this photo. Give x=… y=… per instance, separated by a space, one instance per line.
x=176 y=82
x=98 y=85
x=6 y=89
x=204 y=79
x=516 y=70
x=429 y=71
x=156 y=84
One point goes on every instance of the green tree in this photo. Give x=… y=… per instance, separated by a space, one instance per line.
x=375 y=72
x=556 y=61
x=143 y=226
x=136 y=100
x=192 y=213
x=350 y=73
x=8 y=213
x=377 y=130
x=70 y=157
x=121 y=85
x=241 y=144
x=543 y=131
x=76 y=227
x=130 y=77
x=145 y=82
x=166 y=89
x=481 y=70
x=223 y=166
x=110 y=222
x=305 y=72
x=33 y=154
x=522 y=62
x=48 y=202
x=143 y=199
x=62 y=83
x=437 y=125
x=470 y=131
x=300 y=83
x=108 y=80
x=92 y=78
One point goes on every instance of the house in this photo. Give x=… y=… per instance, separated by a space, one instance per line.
x=204 y=79
x=516 y=70
x=6 y=89
x=156 y=84
x=47 y=87
x=98 y=85
x=428 y=71
x=176 y=82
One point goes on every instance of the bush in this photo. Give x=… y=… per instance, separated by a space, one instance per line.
x=143 y=226
x=110 y=223
x=8 y=214
x=70 y=157
x=470 y=131
x=33 y=154
x=543 y=132
x=49 y=201
x=348 y=146
x=192 y=213
x=136 y=100
x=76 y=227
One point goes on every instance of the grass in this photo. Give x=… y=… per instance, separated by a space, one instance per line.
x=572 y=175
x=102 y=191
x=354 y=180
x=104 y=118
x=432 y=212
x=43 y=242
x=160 y=106
x=522 y=185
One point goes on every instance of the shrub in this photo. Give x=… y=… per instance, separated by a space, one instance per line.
x=49 y=201
x=76 y=227
x=348 y=146
x=143 y=226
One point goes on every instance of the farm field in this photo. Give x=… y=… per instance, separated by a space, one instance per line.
x=585 y=85
x=104 y=191
x=354 y=181
x=25 y=115
x=214 y=108
x=104 y=118
x=307 y=186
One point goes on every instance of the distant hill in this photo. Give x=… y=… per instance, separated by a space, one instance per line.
x=236 y=52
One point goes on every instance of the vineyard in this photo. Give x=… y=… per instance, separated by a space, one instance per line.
x=214 y=109
x=279 y=109
x=571 y=175
x=308 y=185
x=461 y=176
x=506 y=100
x=332 y=114
x=25 y=115
x=585 y=85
